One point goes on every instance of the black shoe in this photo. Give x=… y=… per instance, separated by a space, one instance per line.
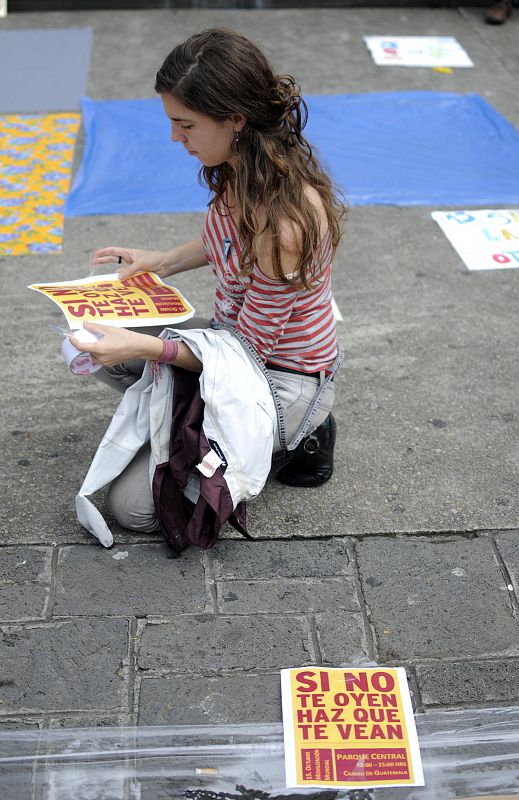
x=499 y=12
x=312 y=463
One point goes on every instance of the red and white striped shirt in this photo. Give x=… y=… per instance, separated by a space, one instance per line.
x=288 y=326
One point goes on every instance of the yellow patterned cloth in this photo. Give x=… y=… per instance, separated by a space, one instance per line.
x=36 y=153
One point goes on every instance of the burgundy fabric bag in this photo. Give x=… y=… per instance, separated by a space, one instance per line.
x=183 y=522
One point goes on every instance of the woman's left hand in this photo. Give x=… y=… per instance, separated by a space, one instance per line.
x=117 y=345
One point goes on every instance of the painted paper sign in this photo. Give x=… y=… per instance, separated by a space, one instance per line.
x=37 y=154
x=417 y=51
x=140 y=300
x=349 y=727
x=485 y=238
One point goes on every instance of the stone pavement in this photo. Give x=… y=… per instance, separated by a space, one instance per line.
x=409 y=555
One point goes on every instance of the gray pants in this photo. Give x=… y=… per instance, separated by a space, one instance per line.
x=129 y=497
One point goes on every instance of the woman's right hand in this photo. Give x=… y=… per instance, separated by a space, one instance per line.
x=130 y=261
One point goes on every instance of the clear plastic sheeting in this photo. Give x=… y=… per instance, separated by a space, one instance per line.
x=465 y=754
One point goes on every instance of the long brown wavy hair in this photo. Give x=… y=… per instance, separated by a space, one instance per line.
x=220 y=73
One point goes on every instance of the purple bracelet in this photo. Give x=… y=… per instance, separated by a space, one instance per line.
x=169 y=351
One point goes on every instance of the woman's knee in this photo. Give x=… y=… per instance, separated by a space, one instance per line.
x=130 y=499
x=121 y=376
x=297 y=395
x=324 y=408
x=129 y=511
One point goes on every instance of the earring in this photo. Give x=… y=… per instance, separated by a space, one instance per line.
x=236 y=137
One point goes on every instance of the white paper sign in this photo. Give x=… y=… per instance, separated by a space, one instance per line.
x=485 y=239
x=417 y=51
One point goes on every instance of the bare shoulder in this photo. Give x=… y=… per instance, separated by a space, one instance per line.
x=290 y=238
x=315 y=198
x=290 y=232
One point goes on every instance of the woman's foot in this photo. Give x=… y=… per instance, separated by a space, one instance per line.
x=312 y=463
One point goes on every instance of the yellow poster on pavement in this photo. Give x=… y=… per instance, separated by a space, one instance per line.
x=349 y=727
x=37 y=154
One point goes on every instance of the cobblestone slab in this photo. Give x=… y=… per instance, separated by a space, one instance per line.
x=202 y=644
x=128 y=579
x=508 y=546
x=23 y=564
x=22 y=602
x=24 y=582
x=92 y=720
x=466 y=683
x=278 y=559
x=433 y=599
x=19 y=724
x=342 y=639
x=232 y=699
x=289 y=595
x=67 y=665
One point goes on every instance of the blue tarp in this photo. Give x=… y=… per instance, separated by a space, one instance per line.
x=44 y=69
x=130 y=164
x=398 y=148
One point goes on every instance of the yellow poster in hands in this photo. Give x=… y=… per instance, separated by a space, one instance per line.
x=349 y=727
x=140 y=300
